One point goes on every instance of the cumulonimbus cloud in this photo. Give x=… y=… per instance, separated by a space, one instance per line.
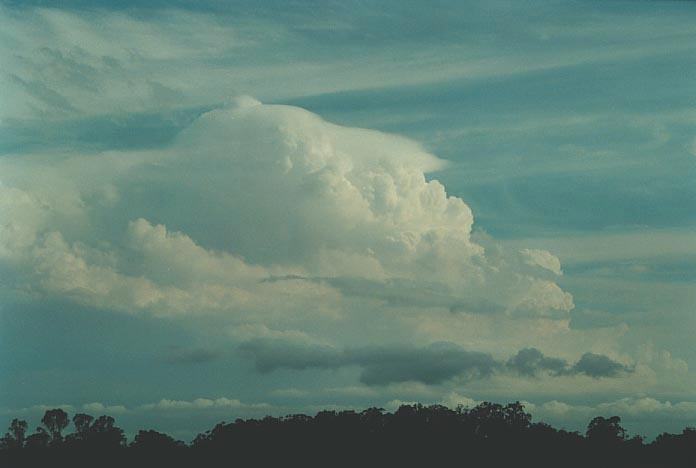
x=249 y=192
x=268 y=215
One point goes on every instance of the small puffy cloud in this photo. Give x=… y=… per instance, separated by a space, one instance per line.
x=202 y=404
x=454 y=399
x=634 y=411
x=100 y=408
x=543 y=259
x=163 y=405
x=36 y=410
x=546 y=299
x=395 y=404
x=555 y=408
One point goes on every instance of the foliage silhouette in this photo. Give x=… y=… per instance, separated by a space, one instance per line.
x=490 y=434
x=15 y=436
x=55 y=421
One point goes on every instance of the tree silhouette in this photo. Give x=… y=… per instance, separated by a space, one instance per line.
x=15 y=437
x=606 y=430
x=38 y=440
x=104 y=434
x=489 y=434
x=155 y=441
x=55 y=421
x=82 y=423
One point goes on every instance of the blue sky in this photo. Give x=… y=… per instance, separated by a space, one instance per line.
x=220 y=209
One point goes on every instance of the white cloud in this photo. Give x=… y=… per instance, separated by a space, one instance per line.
x=65 y=64
x=101 y=408
x=544 y=259
x=21 y=216
x=203 y=404
x=282 y=193
x=634 y=408
x=454 y=399
x=545 y=298
x=74 y=63
x=393 y=405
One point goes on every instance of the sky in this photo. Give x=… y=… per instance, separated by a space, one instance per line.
x=222 y=209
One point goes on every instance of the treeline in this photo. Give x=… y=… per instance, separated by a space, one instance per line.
x=489 y=434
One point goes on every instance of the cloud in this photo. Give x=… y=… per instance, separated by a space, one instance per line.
x=543 y=259
x=455 y=399
x=531 y=361
x=100 y=408
x=269 y=355
x=599 y=365
x=65 y=64
x=430 y=365
x=292 y=234
x=263 y=192
x=633 y=410
x=123 y=62
x=199 y=404
x=379 y=365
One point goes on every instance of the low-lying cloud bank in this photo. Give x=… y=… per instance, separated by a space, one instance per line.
x=625 y=407
x=430 y=365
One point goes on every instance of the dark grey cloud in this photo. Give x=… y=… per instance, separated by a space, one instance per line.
x=269 y=354
x=531 y=362
x=599 y=365
x=431 y=365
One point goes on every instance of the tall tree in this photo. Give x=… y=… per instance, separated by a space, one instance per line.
x=104 y=434
x=55 y=421
x=16 y=434
x=82 y=424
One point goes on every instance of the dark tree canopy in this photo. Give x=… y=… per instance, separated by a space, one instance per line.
x=606 y=430
x=55 y=421
x=15 y=436
x=490 y=434
x=82 y=423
